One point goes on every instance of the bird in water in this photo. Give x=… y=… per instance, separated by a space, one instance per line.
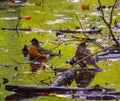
x=37 y=54
x=40 y=49
x=83 y=57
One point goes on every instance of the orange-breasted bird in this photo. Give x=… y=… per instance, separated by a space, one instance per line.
x=36 y=58
x=37 y=54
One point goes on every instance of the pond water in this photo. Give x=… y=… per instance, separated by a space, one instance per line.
x=15 y=68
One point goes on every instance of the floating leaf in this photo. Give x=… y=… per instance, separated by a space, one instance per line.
x=5 y=80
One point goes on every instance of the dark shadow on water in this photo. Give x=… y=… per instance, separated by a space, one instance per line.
x=84 y=78
x=18 y=97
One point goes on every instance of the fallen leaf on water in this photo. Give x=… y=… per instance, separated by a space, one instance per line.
x=5 y=80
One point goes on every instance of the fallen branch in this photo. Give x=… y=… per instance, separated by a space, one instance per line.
x=78 y=31
x=17 y=28
x=21 y=62
x=25 y=89
x=64 y=79
x=61 y=30
x=5 y=65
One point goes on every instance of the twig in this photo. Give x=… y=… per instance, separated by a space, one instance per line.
x=79 y=22
x=112 y=11
x=97 y=44
x=64 y=42
x=47 y=79
x=35 y=81
x=20 y=62
x=12 y=66
x=80 y=25
x=17 y=25
x=56 y=46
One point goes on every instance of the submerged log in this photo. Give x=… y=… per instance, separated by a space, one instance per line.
x=76 y=69
x=61 y=30
x=107 y=57
x=110 y=96
x=98 y=96
x=101 y=57
x=22 y=29
x=38 y=90
x=65 y=78
x=77 y=31
x=56 y=70
x=102 y=97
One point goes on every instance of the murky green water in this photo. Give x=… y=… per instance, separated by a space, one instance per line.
x=10 y=51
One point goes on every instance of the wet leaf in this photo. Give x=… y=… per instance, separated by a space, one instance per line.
x=5 y=80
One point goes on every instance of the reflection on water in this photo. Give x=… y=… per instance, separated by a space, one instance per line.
x=83 y=79
x=18 y=97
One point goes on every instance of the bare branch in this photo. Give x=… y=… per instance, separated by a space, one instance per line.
x=109 y=24
x=112 y=11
